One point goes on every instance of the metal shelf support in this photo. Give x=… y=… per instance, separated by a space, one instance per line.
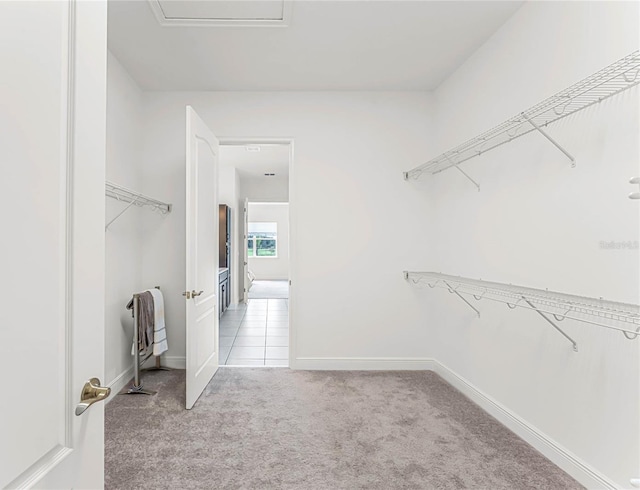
x=546 y=135
x=575 y=346
x=453 y=291
x=457 y=167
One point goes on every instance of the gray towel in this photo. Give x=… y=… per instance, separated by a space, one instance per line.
x=145 y=322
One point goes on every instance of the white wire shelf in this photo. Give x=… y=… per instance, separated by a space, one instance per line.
x=609 y=81
x=133 y=198
x=624 y=317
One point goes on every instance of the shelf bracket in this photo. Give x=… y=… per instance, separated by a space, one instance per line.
x=451 y=290
x=455 y=165
x=121 y=213
x=575 y=346
x=555 y=143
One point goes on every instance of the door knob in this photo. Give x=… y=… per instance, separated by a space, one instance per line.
x=634 y=195
x=92 y=392
x=187 y=294
x=194 y=293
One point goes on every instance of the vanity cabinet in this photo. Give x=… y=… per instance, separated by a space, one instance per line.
x=224 y=293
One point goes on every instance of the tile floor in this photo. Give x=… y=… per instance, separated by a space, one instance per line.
x=256 y=334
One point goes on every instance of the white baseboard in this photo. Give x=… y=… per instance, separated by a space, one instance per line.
x=119 y=382
x=363 y=363
x=123 y=379
x=173 y=362
x=563 y=458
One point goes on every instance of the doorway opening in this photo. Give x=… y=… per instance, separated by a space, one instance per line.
x=254 y=252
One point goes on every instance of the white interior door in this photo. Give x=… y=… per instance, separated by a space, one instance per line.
x=201 y=292
x=52 y=154
x=245 y=248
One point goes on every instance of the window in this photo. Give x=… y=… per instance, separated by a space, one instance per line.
x=262 y=240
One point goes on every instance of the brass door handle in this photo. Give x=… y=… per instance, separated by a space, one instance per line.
x=187 y=294
x=194 y=293
x=92 y=392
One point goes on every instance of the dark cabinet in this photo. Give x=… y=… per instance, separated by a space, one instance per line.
x=224 y=237
x=224 y=293
x=224 y=253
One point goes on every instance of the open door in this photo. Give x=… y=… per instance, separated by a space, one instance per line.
x=52 y=144
x=201 y=292
x=245 y=248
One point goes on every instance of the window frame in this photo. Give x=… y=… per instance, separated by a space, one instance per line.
x=254 y=239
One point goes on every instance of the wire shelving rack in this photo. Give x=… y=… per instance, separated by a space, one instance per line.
x=619 y=76
x=623 y=317
x=133 y=198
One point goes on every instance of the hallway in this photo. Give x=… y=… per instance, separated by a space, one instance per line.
x=256 y=334
x=269 y=289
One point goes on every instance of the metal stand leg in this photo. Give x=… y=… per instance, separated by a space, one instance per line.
x=575 y=346
x=451 y=290
x=138 y=390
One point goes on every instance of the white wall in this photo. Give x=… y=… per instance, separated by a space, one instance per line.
x=272 y=268
x=350 y=150
x=275 y=189
x=123 y=238
x=537 y=222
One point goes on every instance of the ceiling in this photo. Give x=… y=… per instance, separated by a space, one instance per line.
x=272 y=158
x=326 y=44
x=229 y=10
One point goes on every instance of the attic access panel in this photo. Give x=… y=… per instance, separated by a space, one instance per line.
x=222 y=12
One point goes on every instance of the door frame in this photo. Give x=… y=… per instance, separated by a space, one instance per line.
x=293 y=226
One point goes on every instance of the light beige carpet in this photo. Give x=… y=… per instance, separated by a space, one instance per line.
x=273 y=428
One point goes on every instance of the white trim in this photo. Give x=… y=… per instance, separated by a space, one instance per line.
x=118 y=383
x=173 y=362
x=364 y=363
x=125 y=377
x=45 y=464
x=560 y=456
x=287 y=8
x=68 y=221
